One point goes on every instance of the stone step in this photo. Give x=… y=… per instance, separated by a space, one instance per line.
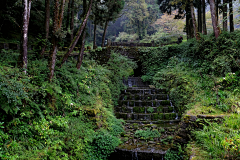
x=144 y=91
x=152 y=103
x=167 y=122
x=145 y=109
x=143 y=97
x=146 y=116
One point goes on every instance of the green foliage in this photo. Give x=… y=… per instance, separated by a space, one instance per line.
x=221 y=140
x=148 y=133
x=45 y=120
x=171 y=154
x=150 y=110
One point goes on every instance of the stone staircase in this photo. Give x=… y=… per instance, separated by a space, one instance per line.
x=145 y=109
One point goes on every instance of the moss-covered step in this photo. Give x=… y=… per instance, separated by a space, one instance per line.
x=157 y=116
x=125 y=116
x=159 y=91
x=170 y=116
x=154 y=122
x=139 y=109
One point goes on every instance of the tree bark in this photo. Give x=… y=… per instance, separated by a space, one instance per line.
x=199 y=16
x=194 y=21
x=216 y=28
x=104 y=33
x=72 y=20
x=75 y=40
x=204 y=18
x=81 y=52
x=58 y=16
x=47 y=21
x=231 y=16
x=68 y=15
x=225 y=21
x=94 y=35
x=24 y=36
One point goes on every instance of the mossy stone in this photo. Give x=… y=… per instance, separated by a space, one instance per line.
x=166 y=102
x=136 y=109
x=170 y=109
x=159 y=109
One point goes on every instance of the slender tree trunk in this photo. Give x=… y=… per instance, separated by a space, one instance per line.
x=199 y=16
x=216 y=6
x=47 y=21
x=194 y=21
x=216 y=28
x=81 y=52
x=94 y=35
x=58 y=16
x=187 y=23
x=75 y=40
x=231 y=16
x=204 y=18
x=225 y=21
x=68 y=15
x=72 y=20
x=104 y=33
x=24 y=37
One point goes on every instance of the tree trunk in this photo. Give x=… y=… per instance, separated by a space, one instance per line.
x=58 y=16
x=231 y=16
x=72 y=20
x=194 y=21
x=24 y=36
x=81 y=52
x=187 y=23
x=204 y=18
x=94 y=35
x=199 y=16
x=216 y=28
x=75 y=40
x=216 y=5
x=104 y=33
x=68 y=15
x=225 y=21
x=47 y=21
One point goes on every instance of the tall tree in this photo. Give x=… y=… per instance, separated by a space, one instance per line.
x=231 y=16
x=204 y=17
x=57 y=24
x=136 y=14
x=199 y=3
x=47 y=21
x=216 y=28
x=78 y=34
x=114 y=7
x=72 y=19
x=24 y=37
x=194 y=21
x=225 y=18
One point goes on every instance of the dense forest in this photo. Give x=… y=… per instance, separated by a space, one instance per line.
x=57 y=101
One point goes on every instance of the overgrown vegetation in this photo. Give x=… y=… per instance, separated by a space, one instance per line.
x=202 y=77
x=70 y=118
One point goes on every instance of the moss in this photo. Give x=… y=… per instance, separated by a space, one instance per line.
x=160 y=109
x=136 y=109
x=166 y=102
x=170 y=109
x=155 y=116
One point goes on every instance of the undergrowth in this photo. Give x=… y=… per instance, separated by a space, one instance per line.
x=202 y=77
x=70 y=118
